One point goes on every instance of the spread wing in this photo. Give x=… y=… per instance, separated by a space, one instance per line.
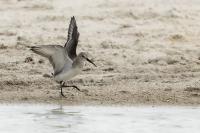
x=72 y=39
x=56 y=55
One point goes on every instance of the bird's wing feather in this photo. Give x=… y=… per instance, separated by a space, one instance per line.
x=56 y=55
x=72 y=39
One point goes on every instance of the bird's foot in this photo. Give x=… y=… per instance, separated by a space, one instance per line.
x=62 y=84
x=61 y=93
x=73 y=86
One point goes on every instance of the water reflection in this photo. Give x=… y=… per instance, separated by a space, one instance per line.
x=78 y=119
x=58 y=119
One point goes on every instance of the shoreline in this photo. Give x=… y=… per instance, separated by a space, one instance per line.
x=147 y=52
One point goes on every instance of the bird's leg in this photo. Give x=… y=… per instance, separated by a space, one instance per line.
x=73 y=86
x=61 y=86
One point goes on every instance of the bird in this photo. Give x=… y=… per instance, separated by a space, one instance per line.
x=64 y=59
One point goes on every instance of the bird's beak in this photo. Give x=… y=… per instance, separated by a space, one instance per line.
x=91 y=62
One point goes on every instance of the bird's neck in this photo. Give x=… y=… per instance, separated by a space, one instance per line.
x=78 y=63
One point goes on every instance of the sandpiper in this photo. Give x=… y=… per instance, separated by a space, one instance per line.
x=66 y=64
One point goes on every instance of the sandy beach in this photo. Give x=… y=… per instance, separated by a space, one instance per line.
x=147 y=51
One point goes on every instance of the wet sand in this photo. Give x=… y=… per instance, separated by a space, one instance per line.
x=147 y=52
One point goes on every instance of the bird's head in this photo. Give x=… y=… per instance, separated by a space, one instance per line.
x=85 y=56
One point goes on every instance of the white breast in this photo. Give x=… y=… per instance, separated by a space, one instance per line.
x=66 y=75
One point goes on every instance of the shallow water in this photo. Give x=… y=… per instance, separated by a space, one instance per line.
x=82 y=119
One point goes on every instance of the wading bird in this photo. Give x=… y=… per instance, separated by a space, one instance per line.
x=66 y=63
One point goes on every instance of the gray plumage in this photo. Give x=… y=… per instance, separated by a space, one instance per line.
x=72 y=39
x=56 y=54
x=66 y=64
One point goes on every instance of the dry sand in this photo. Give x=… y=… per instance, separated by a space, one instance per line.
x=147 y=51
